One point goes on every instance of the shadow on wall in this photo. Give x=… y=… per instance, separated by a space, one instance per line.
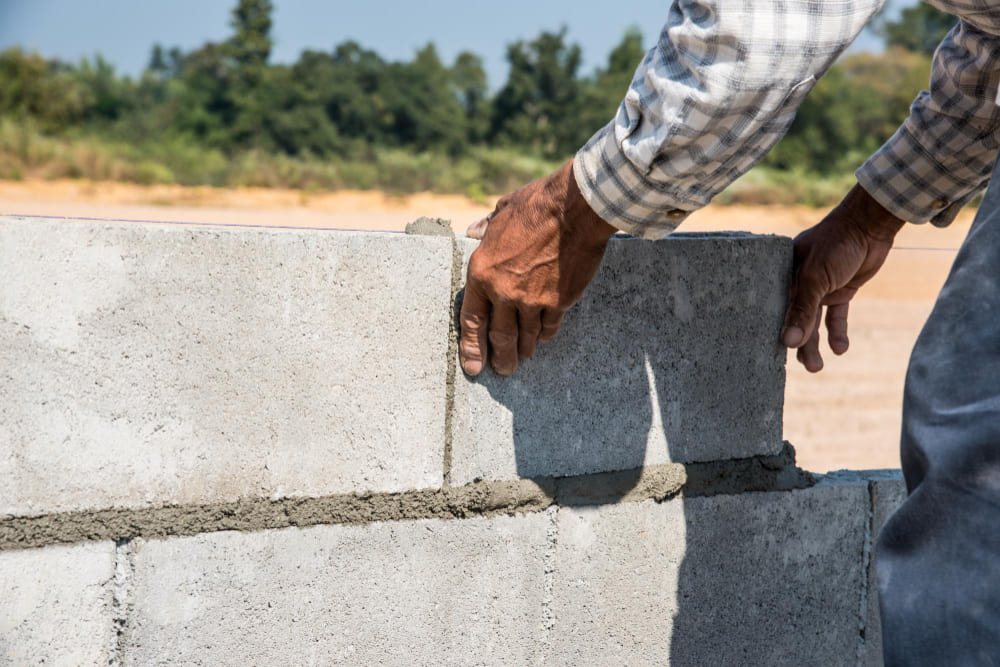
x=672 y=355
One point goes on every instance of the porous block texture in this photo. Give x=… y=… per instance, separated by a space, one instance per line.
x=56 y=605
x=888 y=493
x=152 y=364
x=671 y=355
x=750 y=579
x=423 y=592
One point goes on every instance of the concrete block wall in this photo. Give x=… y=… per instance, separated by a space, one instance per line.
x=226 y=445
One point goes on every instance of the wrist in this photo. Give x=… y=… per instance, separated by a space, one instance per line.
x=870 y=217
x=579 y=217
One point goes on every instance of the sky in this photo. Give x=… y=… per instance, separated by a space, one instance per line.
x=123 y=31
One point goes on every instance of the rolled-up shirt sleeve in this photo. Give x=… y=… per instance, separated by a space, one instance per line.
x=943 y=153
x=714 y=95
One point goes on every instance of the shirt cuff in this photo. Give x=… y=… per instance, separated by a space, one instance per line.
x=912 y=185
x=621 y=195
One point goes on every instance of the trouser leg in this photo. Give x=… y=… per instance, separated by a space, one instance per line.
x=938 y=557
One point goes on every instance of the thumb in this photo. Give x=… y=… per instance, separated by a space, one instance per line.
x=806 y=295
x=477 y=229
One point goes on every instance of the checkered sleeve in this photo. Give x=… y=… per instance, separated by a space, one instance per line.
x=714 y=95
x=943 y=153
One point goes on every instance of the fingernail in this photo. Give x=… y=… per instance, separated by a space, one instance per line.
x=472 y=367
x=792 y=336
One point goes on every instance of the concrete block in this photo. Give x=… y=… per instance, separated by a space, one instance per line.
x=153 y=364
x=423 y=592
x=671 y=355
x=750 y=579
x=888 y=492
x=57 y=605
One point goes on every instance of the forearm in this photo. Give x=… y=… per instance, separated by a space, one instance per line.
x=943 y=153
x=707 y=103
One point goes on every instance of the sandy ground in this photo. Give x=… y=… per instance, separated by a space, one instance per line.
x=847 y=416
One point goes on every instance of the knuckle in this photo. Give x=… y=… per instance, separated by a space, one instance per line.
x=470 y=350
x=531 y=329
x=470 y=320
x=477 y=268
x=502 y=339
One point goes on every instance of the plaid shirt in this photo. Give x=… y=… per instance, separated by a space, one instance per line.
x=721 y=87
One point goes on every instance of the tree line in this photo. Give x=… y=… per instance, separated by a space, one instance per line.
x=348 y=102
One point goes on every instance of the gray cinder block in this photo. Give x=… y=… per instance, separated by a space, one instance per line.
x=423 y=592
x=751 y=579
x=888 y=493
x=57 y=605
x=671 y=355
x=147 y=364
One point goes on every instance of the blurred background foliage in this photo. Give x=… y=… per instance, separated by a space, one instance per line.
x=223 y=115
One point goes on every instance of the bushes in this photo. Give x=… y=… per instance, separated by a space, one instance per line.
x=27 y=153
x=481 y=173
x=763 y=186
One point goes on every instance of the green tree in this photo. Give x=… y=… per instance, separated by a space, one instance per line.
x=109 y=95
x=203 y=105
x=852 y=110
x=538 y=106
x=158 y=61
x=43 y=92
x=249 y=48
x=919 y=28
x=604 y=93
x=351 y=79
x=422 y=110
x=250 y=45
x=469 y=80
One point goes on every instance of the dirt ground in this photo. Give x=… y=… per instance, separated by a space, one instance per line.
x=846 y=416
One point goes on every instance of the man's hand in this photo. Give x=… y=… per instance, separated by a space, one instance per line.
x=832 y=260
x=541 y=247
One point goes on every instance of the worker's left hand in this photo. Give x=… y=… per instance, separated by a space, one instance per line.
x=540 y=248
x=833 y=259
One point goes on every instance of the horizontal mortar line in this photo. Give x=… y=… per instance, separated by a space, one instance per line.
x=477 y=499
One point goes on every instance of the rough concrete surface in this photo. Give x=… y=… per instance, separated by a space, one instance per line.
x=752 y=579
x=888 y=493
x=672 y=355
x=56 y=605
x=145 y=365
x=761 y=473
x=422 y=592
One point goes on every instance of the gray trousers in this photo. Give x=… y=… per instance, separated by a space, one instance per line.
x=938 y=557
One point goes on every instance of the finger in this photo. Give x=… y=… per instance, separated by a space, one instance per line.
x=477 y=229
x=503 y=339
x=474 y=320
x=808 y=355
x=803 y=309
x=529 y=326
x=551 y=321
x=836 y=328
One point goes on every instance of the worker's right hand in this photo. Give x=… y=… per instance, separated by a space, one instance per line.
x=540 y=248
x=832 y=260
